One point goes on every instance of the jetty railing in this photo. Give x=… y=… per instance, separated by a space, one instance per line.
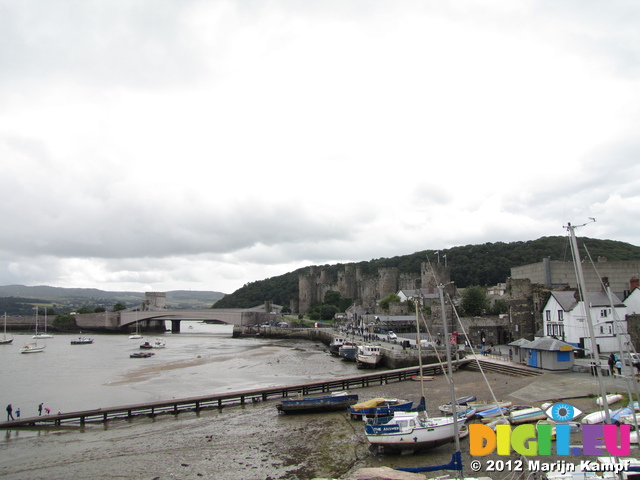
x=219 y=401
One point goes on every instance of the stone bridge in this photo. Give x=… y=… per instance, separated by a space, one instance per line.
x=126 y=320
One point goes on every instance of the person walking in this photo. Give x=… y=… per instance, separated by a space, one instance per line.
x=40 y=409
x=9 y=412
x=619 y=367
x=612 y=363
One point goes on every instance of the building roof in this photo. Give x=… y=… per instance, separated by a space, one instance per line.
x=549 y=344
x=519 y=343
x=568 y=302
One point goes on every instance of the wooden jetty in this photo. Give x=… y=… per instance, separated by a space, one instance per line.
x=220 y=401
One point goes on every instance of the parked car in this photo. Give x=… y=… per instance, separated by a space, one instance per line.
x=632 y=358
x=392 y=336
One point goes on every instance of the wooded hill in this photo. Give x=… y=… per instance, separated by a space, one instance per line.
x=485 y=264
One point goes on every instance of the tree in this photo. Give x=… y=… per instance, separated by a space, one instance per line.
x=118 y=306
x=389 y=299
x=331 y=297
x=474 y=301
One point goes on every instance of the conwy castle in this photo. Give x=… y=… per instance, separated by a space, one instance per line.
x=366 y=290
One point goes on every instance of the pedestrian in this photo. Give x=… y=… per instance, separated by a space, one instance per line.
x=9 y=412
x=619 y=367
x=612 y=363
x=47 y=410
x=18 y=414
x=40 y=409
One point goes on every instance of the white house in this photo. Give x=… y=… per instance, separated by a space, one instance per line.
x=565 y=318
x=419 y=295
x=632 y=302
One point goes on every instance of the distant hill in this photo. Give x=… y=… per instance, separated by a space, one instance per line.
x=19 y=299
x=484 y=264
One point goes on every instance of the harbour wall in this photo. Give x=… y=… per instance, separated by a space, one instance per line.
x=394 y=355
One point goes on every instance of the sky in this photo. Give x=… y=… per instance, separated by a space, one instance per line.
x=155 y=145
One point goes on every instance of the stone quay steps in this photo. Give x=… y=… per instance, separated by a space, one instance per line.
x=502 y=367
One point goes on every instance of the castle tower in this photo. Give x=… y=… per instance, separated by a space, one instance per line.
x=154 y=301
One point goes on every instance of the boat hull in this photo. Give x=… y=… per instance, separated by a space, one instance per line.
x=389 y=438
x=325 y=403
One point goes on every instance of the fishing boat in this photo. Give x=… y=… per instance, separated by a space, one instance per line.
x=368 y=356
x=42 y=334
x=348 y=351
x=415 y=431
x=383 y=407
x=325 y=403
x=32 y=348
x=159 y=343
x=5 y=340
x=81 y=341
x=334 y=346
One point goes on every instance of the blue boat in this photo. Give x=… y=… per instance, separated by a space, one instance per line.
x=325 y=403
x=492 y=412
x=348 y=351
x=383 y=407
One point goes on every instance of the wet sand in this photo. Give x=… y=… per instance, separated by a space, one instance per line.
x=243 y=443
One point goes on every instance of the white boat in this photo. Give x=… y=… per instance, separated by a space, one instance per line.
x=415 y=431
x=461 y=409
x=159 y=343
x=596 y=417
x=527 y=415
x=32 y=348
x=5 y=340
x=42 y=334
x=136 y=336
x=482 y=405
x=611 y=399
x=368 y=355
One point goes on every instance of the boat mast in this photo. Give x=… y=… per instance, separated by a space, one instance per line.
x=587 y=308
x=452 y=389
x=419 y=354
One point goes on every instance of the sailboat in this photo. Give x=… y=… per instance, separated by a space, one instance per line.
x=414 y=431
x=135 y=336
x=42 y=334
x=5 y=340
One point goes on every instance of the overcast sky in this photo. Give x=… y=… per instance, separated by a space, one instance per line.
x=162 y=145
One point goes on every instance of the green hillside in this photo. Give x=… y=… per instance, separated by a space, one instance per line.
x=484 y=264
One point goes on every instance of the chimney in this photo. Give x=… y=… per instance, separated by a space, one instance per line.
x=634 y=283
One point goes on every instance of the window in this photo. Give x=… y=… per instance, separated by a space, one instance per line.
x=560 y=315
x=548 y=314
x=603 y=313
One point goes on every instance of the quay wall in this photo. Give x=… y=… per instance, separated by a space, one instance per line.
x=394 y=355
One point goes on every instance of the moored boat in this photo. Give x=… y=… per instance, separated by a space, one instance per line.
x=481 y=405
x=611 y=399
x=527 y=415
x=141 y=355
x=334 y=346
x=324 y=403
x=5 y=340
x=32 y=348
x=368 y=356
x=348 y=351
x=383 y=407
x=82 y=341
